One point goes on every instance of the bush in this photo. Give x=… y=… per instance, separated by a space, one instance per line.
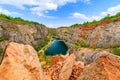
x=84 y=45
x=46 y=41
x=115 y=45
x=94 y=22
x=15 y=19
x=37 y=48
x=1 y=51
x=116 y=51
x=45 y=58
x=80 y=44
x=2 y=39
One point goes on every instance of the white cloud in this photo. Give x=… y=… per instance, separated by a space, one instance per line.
x=46 y=5
x=18 y=3
x=86 y=1
x=7 y=12
x=4 y=11
x=111 y=11
x=84 y=17
x=40 y=7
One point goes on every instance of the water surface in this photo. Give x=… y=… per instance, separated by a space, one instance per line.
x=58 y=47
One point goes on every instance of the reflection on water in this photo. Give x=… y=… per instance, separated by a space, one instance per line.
x=58 y=47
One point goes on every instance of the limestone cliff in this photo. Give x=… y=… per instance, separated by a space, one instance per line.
x=102 y=35
x=22 y=33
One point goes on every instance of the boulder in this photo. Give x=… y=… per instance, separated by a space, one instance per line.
x=77 y=70
x=104 y=68
x=66 y=70
x=88 y=55
x=20 y=62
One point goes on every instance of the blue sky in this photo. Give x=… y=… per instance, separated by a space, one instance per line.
x=56 y=13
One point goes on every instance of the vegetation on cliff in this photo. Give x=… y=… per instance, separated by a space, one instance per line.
x=18 y=20
x=3 y=39
x=95 y=22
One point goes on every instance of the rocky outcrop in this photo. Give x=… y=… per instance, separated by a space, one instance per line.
x=103 y=68
x=20 y=62
x=105 y=36
x=22 y=33
x=66 y=70
x=77 y=69
x=88 y=55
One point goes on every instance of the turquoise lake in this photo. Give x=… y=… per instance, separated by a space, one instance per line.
x=57 y=47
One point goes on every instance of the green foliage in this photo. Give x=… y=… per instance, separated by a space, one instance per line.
x=94 y=22
x=2 y=39
x=80 y=44
x=46 y=40
x=106 y=18
x=37 y=48
x=76 y=25
x=1 y=51
x=52 y=32
x=116 y=51
x=18 y=19
x=116 y=45
x=84 y=45
x=93 y=47
x=45 y=58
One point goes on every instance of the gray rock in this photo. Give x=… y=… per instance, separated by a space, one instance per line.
x=105 y=36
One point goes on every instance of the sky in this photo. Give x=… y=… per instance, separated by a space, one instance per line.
x=56 y=13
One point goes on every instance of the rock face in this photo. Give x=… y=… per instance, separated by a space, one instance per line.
x=106 y=36
x=20 y=62
x=88 y=55
x=22 y=33
x=103 y=68
x=66 y=70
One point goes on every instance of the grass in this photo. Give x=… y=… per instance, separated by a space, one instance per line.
x=45 y=58
x=116 y=51
x=80 y=44
x=116 y=45
x=46 y=40
x=1 y=51
x=18 y=19
x=94 y=22
x=2 y=39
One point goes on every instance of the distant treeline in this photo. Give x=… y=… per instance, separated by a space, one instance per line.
x=18 y=19
x=95 y=22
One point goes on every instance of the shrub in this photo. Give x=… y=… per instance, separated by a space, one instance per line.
x=116 y=51
x=116 y=45
x=46 y=40
x=1 y=51
x=2 y=39
x=45 y=58
x=15 y=19
x=80 y=44
x=106 y=18
x=84 y=45
x=37 y=48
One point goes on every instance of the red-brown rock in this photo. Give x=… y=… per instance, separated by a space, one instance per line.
x=20 y=62
x=103 y=68
x=66 y=70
